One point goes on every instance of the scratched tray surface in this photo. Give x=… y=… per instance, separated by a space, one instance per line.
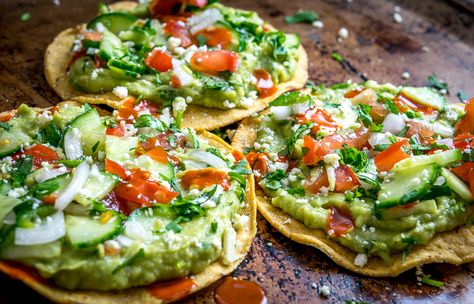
x=376 y=48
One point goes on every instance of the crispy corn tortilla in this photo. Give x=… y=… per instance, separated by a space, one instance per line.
x=57 y=58
x=211 y=274
x=453 y=247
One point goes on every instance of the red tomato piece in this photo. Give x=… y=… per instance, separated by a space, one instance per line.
x=115 y=168
x=464 y=171
x=118 y=130
x=405 y=103
x=39 y=153
x=198 y=3
x=203 y=178
x=339 y=222
x=159 y=60
x=175 y=82
x=345 y=179
x=215 y=36
x=161 y=8
x=385 y=160
x=463 y=141
x=6 y=117
x=214 y=61
x=466 y=125
x=318 y=116
x=311 y=157
x=237 y=156
x=353 y=93
x=316 y=185
x=265 y=85
x=177 y=29
x=111 y=201
x=159 y=154
x=140 y=189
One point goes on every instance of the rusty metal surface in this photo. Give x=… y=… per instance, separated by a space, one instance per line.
x=376 y=48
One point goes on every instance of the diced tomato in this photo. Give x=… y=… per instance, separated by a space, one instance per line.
x=252 y=158
x=177 y=29
x=142 y=190
x=50 y=199
x=353 y=93
x=159 y=154
x=39 y=153
x=318 y=116
x=160 y=8
x=143 y=105
x=159 y=60
x=115 y=168
x=464 y=171
x=259 y=163
x=203 y=178
x=76 y=56
x=215 y=36
x=463 y=141
x=93 y=36
x=265 y=85
x=385 y=160
x=417 y=127
x=118 y=130
x=312 y=156
x=112 y=202
x=198 y=3
x=6 y=117
x=339 y=222
x=162 y=140
x=466 y=125
x=316 y=185
x=175 y=82
x=405 y=103
x=238 y=156
x=345 y=179
x=214 y=61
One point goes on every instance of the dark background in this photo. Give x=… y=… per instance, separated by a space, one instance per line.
x=377 y=48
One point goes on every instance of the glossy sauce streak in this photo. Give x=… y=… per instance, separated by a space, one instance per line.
x=21 y=272
x=203 y=178
x=235 y=291
x=339 y=222
x=172 y=290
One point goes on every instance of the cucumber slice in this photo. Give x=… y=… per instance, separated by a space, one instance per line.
x=292 y=41
x=66 y=114
x=92 y=131
x=442 y=159
x=18 y=131
x=147 y=221
x=426 y=97
x=457 y=185
x=114 y=21
x=422 y=207
x=98 y=185
x=120 y=149
x=111 y=46
x=154 y=167
x=406 y=186
x=125 y=69
x=83 y=231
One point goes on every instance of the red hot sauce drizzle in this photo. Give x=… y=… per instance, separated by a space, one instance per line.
x=235 y=291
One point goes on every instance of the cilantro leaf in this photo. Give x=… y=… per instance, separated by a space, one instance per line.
x=290 y=98
x=239 y=178
x=302 y=17
x=43 y=189
x=51 y=135
x=364 y=116
x=216 y=84
x=21 y=170
x=174 y=226
x=353 y=157
x=148 y=120
x=337 y=57
x=201 y=40
x=4 y=125
x=240 y=167
x=428 y=281
x=273 y=180
x=214 y=227
x=433 y=82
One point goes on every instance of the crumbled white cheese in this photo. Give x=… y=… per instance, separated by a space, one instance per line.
x=99 y=27
x=397 y=17
x=343 y=33
x=325 y=291
x=440 y=181
x=318 y=24
x=120 y=92
x=199 y=22
x=332 y=159
x=179 y=105
x=360 y=260
x=173 y=43
x=228 y=248
x=405 y=75
x=228 y=104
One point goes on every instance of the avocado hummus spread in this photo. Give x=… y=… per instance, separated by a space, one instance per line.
x=111 y=202
x=212 y=55
x=379 y=168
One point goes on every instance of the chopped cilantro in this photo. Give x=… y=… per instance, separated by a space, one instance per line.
x=70 y=163
x=390 y=105
x=239 y=178
x=148 y=120
x=433 y=82
x=240 y=167
x=296 y=191
x=201 y=40
x=336 y=56
x=43 y=189
x=50 y=134
x=412 y=114
x=302 y=17
x=216 y=84
x=21 y=170
x=342 y=85
x=354 y=157
x=428 y=281
x=4 y=125
x=25 y=17
x=403 y=131
x=214 y=227
x=462 y=96
x=364 y=116
x=216 y=153
x=290 y=98
x=173 y=226
x=95 y=146
x=130 y=260
x=273 y=180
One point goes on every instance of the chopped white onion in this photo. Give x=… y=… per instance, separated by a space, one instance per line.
x=50 y=229
x=442 y=130
x=331 y=172
x=184 y=78
x=78 y=180
x=393 y=123
x=209 y=159
x=165 y=117
x=199 y=22
x=378 y=139
x=49 y=174
x=446 y=141
x=72 y=144
x=281 y=112
x=301 y=107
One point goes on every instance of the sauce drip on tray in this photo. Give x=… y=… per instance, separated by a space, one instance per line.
x=232 y=291
x=172 y=290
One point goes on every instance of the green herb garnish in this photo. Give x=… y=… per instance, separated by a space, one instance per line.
x=302 y=17
x=428 y=281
